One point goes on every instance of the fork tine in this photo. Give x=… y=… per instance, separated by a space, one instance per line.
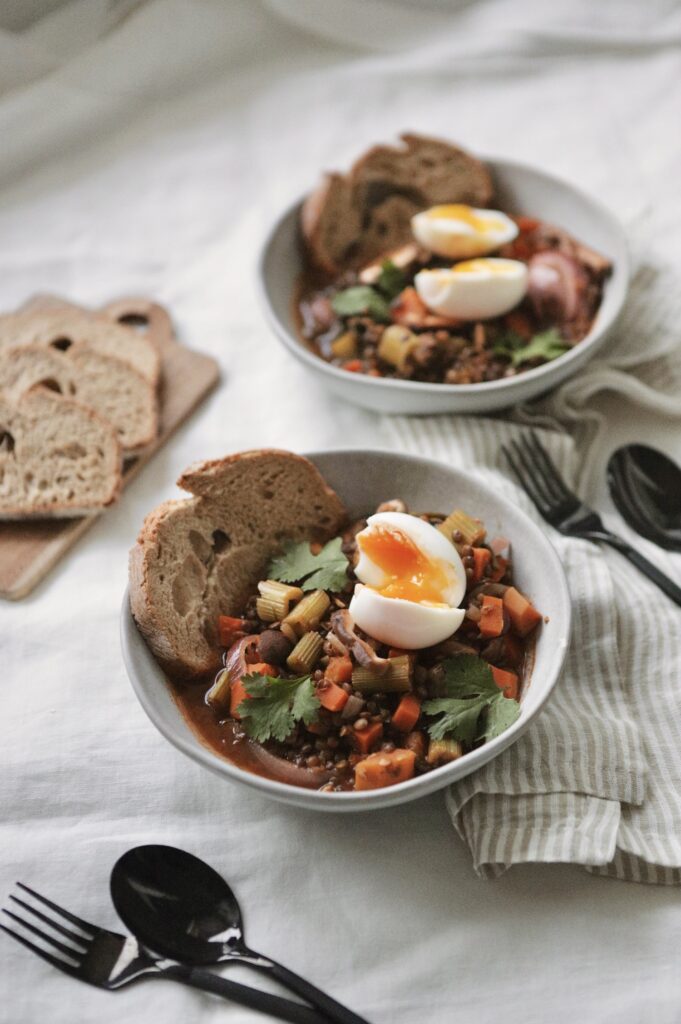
x=53 y=924
x=551 y=472
x=60 y=910
x=526 y=477
x=74 y=954
x=62 y=965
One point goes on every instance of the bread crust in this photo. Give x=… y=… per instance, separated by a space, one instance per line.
x=201 y=556
x=337 y=218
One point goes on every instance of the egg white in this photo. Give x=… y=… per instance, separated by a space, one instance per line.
x=404 y=624
x=427 y=539
x=491 y=287
x=459 y=239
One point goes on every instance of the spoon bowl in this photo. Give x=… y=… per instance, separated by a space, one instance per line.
x=645 y=486
x=178 y=906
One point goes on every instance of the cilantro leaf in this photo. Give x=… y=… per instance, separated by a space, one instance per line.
x=275 y=705
x=359 y=299
x=501 y=714
x=547 y=346
x=508 y=343
x=471 y=691
x=391 y=280
x=326 y=571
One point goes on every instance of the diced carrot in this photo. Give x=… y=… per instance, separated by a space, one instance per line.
x=407 y=713
x=230 y=629
x=506 y=681
x=238 y=690
x=491 y=616
x=397 y=652
x=481 y=559
x=332 y=697
x=416 y=742
x=365 y=739
x=526 y=223
x=353 y=366
x=499 y=568
x=409 y=308
x=386 y=768
x=522 y=613
x=339 y=670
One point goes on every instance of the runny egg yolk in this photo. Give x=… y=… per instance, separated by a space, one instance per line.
x=492 y=266
x=412 y=576
x=466 y=215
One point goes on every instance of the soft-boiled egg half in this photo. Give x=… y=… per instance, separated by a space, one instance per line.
x=459 y=232
x=412 y=581
x=474 y=289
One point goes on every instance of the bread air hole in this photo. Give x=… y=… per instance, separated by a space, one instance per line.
x=137 y=320
x=6 y=441
x=51 y=384
x=221 y=540
x=200 y=546
x=62 y=344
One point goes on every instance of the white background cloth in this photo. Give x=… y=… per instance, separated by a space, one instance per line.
x=145 y=149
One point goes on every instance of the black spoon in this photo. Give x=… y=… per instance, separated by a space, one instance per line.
x=180 y=907
x=645 y=486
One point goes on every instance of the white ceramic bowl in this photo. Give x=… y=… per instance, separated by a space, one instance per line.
x=363 y=479
x=519 y=189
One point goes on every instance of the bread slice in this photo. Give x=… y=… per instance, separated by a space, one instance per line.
x=109 y=386
x=63 y=329
x=57 y=457
x=201 y=557
x=351 y=219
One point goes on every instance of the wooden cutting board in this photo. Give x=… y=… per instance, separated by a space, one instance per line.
x=29 y=550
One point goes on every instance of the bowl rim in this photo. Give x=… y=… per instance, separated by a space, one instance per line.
x=132 y=640
x=591 y=342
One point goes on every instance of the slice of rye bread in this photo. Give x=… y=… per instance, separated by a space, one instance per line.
x=64 y=329
x=111 y=387
x=201 y=557
x=57 y=458
x=350 y=219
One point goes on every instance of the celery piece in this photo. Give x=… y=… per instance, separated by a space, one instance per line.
x=442 y=751
x=395 y=346
x=396 y=679
x=472 y=531
x=309 y=612
x=305 y=654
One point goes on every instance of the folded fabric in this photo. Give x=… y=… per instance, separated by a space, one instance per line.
x=596 y=780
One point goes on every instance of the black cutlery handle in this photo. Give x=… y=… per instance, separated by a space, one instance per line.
x=332 y=1010
x=275 y=1006
x=671 y=589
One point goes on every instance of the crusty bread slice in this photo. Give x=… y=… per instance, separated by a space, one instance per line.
x=109 y=386
x=64 y=329
x=201 y=557
x=57 y=457
x=353 y=218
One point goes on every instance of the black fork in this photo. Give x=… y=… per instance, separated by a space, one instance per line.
x=109 y=960
x=538 y=475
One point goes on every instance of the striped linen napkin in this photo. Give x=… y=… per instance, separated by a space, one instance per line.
x=596 y=779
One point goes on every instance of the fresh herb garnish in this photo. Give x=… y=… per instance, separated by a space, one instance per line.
x=326 y=571
x=275 y=705
x=547 y=345
x=361 y=299
x=391 y=280
x=471 y=690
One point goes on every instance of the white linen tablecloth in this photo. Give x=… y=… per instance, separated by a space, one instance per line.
x=146 y=148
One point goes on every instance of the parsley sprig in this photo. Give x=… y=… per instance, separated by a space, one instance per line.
x=296 y=564
x=368 y=299
x=275 y=705
x=470 y=691
x=546 y=345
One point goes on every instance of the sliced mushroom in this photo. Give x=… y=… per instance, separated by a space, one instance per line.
x=344 y=628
